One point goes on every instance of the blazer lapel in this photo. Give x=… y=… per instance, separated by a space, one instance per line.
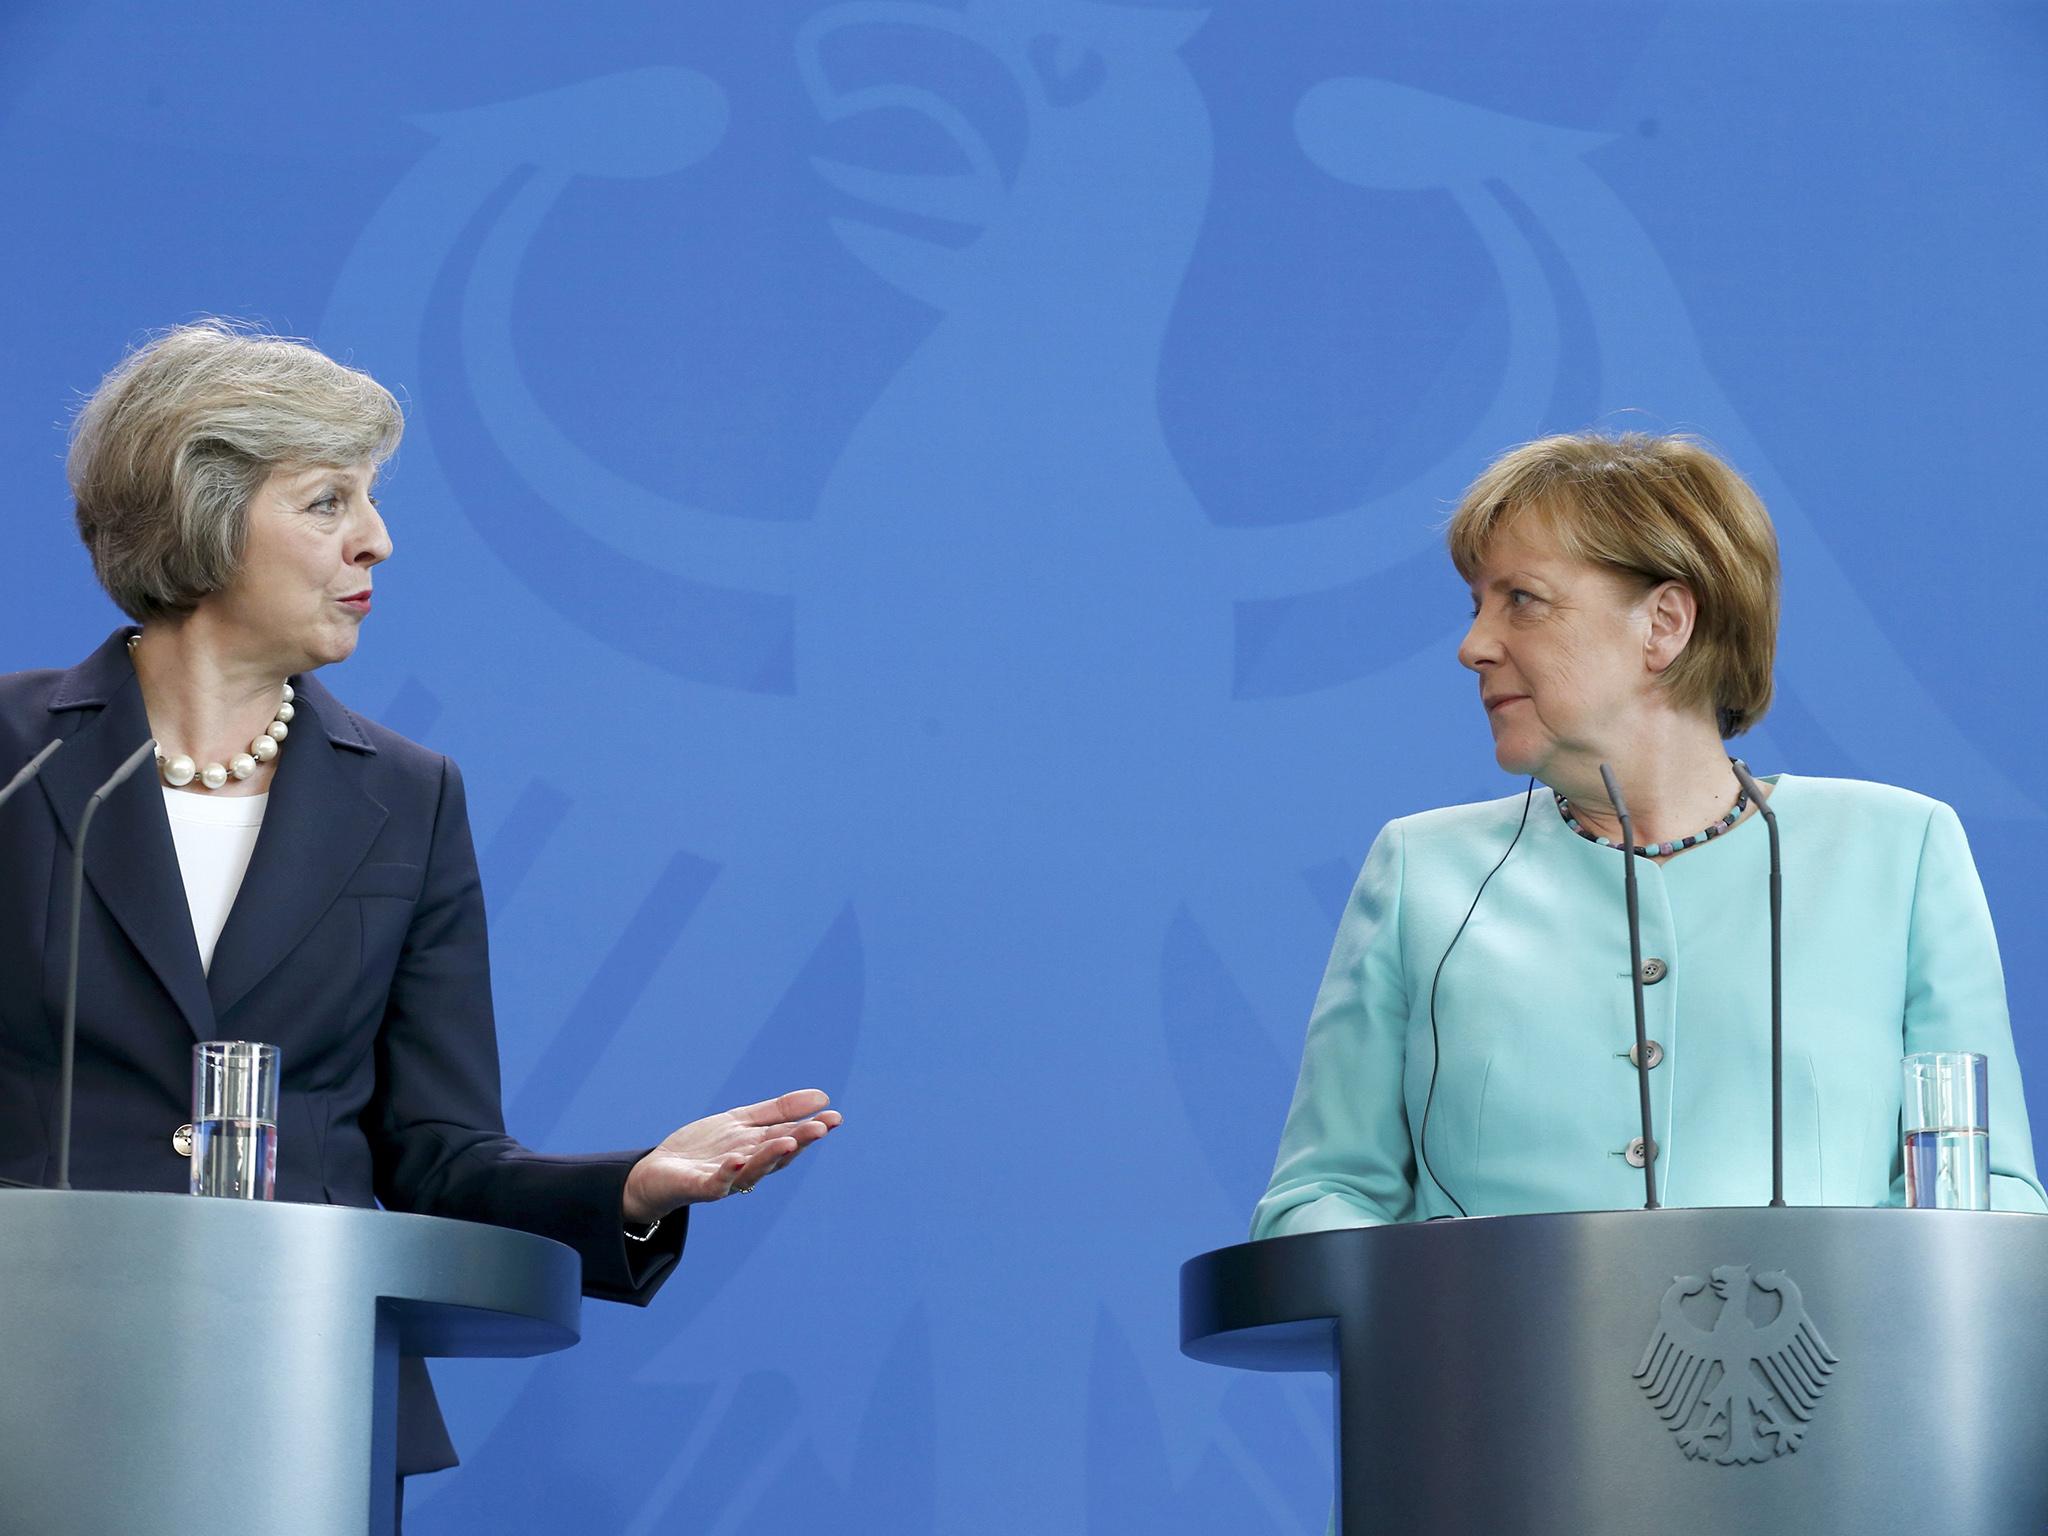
x=130 y=861
x=318 y=827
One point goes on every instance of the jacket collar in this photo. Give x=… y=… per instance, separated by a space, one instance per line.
x=317 y=828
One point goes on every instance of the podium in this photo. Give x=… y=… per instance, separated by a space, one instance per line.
x=181 y=1364
x=1742 y=1371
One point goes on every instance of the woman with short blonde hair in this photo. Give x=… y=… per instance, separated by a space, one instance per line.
x=1658 y=509
x=1472 y=1048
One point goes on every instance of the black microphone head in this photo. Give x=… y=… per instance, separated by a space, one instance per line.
x=136 y=759
x=1614 y=792
x=1750 y=787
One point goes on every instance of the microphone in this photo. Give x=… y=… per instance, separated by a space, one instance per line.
x=1635 y=976
x=29 y=770
x=1763 y=808
x=119 y=776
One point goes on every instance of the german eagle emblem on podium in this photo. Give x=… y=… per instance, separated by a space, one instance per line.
x=1738 y=1391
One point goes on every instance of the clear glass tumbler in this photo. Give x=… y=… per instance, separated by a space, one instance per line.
x=1948 y=1132
x=234 y=1119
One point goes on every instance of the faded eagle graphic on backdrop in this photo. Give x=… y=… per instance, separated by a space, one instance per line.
x=990 y=660
x=1006 y=755
x=1531 y=194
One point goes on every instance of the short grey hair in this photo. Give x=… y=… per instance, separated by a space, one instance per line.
x=172 y=447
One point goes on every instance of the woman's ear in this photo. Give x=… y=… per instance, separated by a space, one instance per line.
x=1672 y=610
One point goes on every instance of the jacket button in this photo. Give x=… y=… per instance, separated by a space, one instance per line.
x=1653 y=1050
x=1634 y=1153
x=1654 y=971
x=181 y=1141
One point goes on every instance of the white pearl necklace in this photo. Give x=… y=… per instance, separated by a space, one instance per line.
x=181 y=770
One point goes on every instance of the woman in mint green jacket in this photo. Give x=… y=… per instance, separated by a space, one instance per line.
x=1469 y=1051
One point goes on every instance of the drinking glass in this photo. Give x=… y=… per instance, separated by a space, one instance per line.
x=1948 y=1132
x=234 y=1119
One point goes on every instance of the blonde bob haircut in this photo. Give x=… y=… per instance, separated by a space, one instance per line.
x=172 y=447
x=1658 y=509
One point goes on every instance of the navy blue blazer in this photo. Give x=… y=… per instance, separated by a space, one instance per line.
x=356 y=945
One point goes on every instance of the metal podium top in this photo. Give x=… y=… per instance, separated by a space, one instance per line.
x=459 y=1287
x=179 y=1363
x=1649 y=1371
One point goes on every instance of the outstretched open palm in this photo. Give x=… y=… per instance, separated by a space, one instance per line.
x=727 y=1153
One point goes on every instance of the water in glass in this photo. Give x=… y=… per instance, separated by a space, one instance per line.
x=1948 y=1170
x=235 y=1158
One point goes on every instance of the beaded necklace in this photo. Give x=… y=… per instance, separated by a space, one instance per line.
x=181 y=770
x=1657 y=850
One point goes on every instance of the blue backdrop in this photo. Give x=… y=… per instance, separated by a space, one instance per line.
x=920 y=522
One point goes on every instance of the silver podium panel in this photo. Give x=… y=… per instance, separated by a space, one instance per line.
x=1791 y=1372
x=180 y=1364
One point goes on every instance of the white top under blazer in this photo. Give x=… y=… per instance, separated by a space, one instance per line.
x=214 y=836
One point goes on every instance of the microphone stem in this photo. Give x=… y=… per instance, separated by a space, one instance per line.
x=1777 y=1019
x=1635 y=978
x=67 y=1059
x=1755 y=791
x=1635 y=966
x=68 y=1053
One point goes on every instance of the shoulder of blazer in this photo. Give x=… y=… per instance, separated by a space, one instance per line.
x=1854 y=800
x=30 y=701
x=1481 y=820
x=25 y=713
x=386 y=758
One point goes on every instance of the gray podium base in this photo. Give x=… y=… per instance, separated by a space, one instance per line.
x=1489 y=1369
x=176 y=1365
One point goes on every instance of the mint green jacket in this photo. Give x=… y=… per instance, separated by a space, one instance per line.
x=1888 y=949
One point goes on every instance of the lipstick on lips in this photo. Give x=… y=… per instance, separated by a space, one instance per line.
x=359 y=601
